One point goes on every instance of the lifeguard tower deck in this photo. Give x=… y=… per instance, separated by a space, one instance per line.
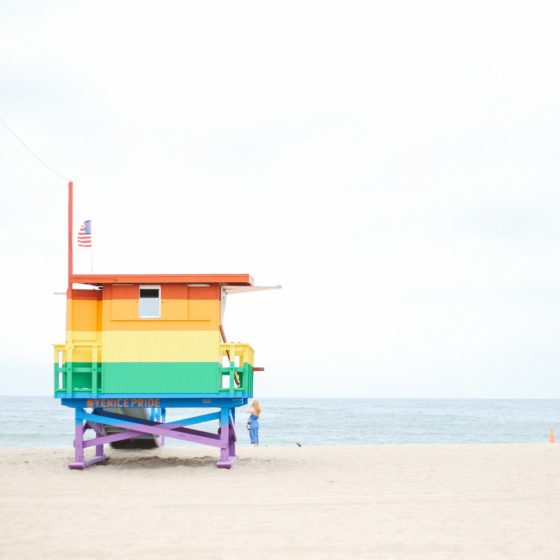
x=137 y=345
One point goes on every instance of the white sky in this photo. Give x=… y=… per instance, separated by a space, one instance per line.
x=394 y=165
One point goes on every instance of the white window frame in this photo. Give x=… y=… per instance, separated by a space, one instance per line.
x=149 y=287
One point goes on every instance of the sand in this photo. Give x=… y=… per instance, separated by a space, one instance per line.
x=399 y=501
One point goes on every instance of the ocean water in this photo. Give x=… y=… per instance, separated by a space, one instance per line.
x=43 y=422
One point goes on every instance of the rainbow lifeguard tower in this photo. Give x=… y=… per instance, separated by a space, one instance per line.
x=137 y=345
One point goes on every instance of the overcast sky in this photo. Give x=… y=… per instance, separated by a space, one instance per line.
x=394 y=165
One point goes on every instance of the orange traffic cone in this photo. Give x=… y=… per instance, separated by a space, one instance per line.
x=551 y=438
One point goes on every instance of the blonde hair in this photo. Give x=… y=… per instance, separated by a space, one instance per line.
x=255 y=405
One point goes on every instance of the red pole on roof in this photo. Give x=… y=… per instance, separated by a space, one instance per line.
x=70 y=234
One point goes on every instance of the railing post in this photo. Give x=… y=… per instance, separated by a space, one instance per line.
x=69 y=378
x=232 y=369
x=94 y=370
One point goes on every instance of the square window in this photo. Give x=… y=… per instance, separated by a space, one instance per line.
x=150 y=302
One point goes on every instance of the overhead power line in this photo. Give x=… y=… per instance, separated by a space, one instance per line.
x=31 y=151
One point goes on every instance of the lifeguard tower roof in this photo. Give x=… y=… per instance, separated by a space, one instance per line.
x=221 y=279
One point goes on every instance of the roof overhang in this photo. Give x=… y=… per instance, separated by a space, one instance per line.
x=229 y=289
x=241 y=280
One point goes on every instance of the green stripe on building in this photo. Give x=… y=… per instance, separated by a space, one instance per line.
x=149 y=377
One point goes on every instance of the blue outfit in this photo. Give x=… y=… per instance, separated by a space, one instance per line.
x=254 y=428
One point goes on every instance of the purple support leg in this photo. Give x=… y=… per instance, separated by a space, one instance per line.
x=227 y=441
x=99 y=447
x=232 y=438
x=80 y=461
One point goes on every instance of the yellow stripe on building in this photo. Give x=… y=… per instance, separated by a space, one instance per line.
x=160 y=346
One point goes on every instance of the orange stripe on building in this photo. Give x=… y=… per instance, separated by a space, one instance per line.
x=168 y=291
x=84 y=315
x=123 y=314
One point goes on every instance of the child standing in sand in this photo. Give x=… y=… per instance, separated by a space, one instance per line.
x=253 y=422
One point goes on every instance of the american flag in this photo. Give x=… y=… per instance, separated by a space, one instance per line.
x=84 y=235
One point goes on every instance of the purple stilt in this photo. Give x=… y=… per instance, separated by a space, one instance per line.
x=80 y=461
x=227 y=440
x=232 y=438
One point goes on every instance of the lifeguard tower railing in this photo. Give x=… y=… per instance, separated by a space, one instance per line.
x=233 y=376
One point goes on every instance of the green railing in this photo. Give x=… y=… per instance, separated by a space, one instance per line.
x=75 y=377
x=236 y=374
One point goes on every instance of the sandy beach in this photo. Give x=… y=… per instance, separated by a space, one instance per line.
x=401 y=501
